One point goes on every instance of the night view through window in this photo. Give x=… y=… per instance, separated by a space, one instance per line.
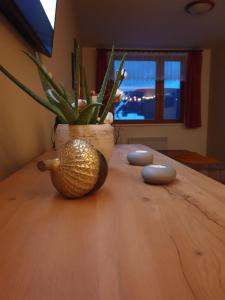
x=139 y=101
x=172 y=80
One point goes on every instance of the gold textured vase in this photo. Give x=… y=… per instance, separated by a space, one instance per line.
x=79 y=169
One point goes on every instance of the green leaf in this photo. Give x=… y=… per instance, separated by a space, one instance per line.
x=68 y=98
x=44 y=73
x=49 y=90
x=85 y=87
x=86 y=114
x=44 y=82
x=64 y=91
x=113 y=92
x=38 y=99
x=76 y=69
x=101 y=94
x=65 y=108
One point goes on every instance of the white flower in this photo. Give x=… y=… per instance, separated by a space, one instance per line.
x=119 y=94
x=109 y=118
x=124 y=73
x=81 y=104
x=94 y=99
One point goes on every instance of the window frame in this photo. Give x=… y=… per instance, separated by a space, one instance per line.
x=160 y=59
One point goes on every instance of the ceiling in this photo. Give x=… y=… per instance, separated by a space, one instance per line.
x=148 y=24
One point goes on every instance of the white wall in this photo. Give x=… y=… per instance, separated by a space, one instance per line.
x=178 y=136
x=26 y=127
x=89 y=57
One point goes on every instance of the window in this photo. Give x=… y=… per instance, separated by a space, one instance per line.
x=153 y=89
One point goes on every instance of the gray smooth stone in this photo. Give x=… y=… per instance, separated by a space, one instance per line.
x=140 y=157
x=158 y=174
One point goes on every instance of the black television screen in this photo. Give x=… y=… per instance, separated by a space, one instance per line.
x=35 y=19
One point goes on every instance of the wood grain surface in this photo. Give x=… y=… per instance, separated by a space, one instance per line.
x=128 y=241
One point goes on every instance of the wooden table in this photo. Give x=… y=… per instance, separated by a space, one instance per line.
x=128 y=241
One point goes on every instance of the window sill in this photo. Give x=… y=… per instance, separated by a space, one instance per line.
x=147 y=124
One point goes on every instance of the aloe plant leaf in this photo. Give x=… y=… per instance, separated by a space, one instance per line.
x=38 y=99
x=85 y=87
x=65 y=107
x=113 y=91
x=86 y=114
x=45 y=73
x=66 y=95
x=106 y=77
x=76 y=70
x=48 y=87
x=101 y=94
x=45 y=84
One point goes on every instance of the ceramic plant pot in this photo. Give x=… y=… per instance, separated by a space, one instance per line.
x=100 y=136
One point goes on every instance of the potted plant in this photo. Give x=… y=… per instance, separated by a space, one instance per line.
x=75 y=117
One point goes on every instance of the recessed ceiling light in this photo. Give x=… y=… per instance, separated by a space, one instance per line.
x=199 y=7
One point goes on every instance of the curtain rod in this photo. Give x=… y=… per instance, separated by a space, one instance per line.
x=148 y=50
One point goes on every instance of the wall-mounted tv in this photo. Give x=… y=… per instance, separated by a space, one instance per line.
x=34 y=19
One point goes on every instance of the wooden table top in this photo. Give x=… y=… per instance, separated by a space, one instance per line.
x=128 y=241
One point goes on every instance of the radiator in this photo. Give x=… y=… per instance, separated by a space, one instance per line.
x=157 y=143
